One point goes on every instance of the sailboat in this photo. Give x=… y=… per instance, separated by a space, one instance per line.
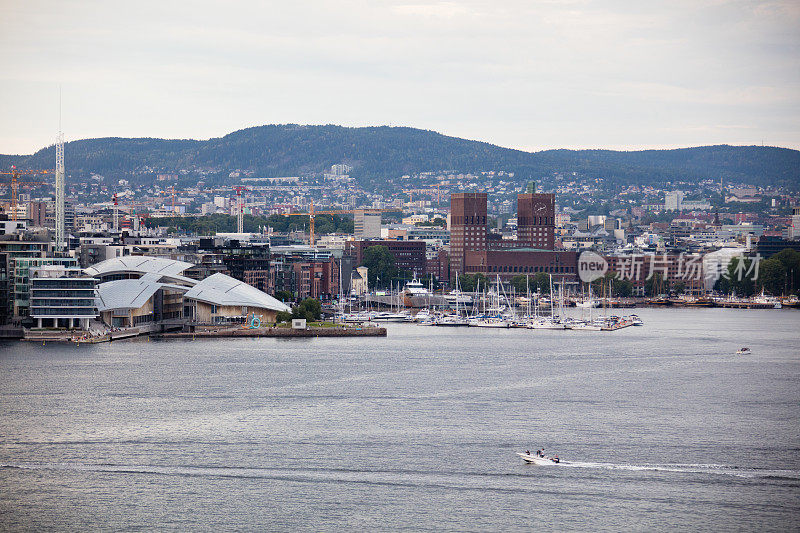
x=496 y=315
x=586 y=325
x=452 y=319
x=552 y=321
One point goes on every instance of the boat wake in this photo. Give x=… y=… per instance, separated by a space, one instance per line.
x=383 y=476
x=691 y=468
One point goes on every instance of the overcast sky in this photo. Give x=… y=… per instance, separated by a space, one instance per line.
x=523 y=74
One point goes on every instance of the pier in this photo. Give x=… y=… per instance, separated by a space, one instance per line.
x=336 y=331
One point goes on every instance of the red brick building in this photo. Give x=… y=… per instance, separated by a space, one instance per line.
x=468 y=227
x=316 y=279
x=471 y=250
x=536 y=220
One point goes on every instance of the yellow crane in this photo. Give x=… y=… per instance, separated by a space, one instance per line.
x=171 y=192
x=15 y=183
x=430 y=191
x=312 y=213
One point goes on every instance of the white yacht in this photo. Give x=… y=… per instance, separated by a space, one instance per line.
x=489 y=322
x=415 y=294
x=452 y=320
x=457 y=297
x=388 y=316
x=546 y=323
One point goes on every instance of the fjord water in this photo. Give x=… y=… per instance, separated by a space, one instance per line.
x=660 y=427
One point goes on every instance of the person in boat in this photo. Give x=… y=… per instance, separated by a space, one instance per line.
x=528 y=452
x=556 y=459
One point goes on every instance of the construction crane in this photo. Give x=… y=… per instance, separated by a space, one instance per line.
x=131 y=207
x=411 y=192
x=171 y=192
x=240 y=208
x=15 y=183
x=312 y=213
x=116 y=213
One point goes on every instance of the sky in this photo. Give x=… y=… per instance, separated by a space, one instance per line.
x=525 y=74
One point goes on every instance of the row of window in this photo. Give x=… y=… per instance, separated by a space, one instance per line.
x=51 y=293
x=536 y=221
x=76 y=283
x=524 y=269
x=62 y=302
x=72 y=311
x=472 y=219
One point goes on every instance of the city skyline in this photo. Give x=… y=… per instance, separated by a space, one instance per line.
x=576 y=74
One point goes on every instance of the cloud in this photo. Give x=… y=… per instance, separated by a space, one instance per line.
x=520 y=73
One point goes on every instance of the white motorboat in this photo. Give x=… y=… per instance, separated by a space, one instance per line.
x=452 y=321
x=636 y=320
x=386 y=316
x=584 y=326
x=489 y=322
x=541 y=460
x=545 y=323
x=421 y=316
x=358 y=317
x=743 y=351
x=457 y=297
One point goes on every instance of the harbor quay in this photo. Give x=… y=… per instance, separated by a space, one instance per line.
x=289 y=333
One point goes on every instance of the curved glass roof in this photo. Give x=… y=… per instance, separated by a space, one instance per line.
x=219 y=289
x=139 y=263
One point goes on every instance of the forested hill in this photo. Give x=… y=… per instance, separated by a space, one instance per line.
x=386 y=152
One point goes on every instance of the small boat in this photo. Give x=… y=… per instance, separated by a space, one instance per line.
x=743 y=350
x=457 y=297
x=546 y=323
x=541 y=460
x=636 y=320
x=421 y=316
x=386 y=316
x=452 y=320
x=490 y=322
x=584 y=326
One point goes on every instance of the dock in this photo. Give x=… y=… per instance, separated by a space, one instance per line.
x=275 y=333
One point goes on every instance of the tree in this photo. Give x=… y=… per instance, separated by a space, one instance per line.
x=791 y=262
x=738 y=278
x=520 y=283
x=540 y=282
x=772 y=276
x=429 y=280
x=380 y=262
x=309 y=308
x=440 y=222
x=679 y=287
x=656 y=285
x=470 y=282
x=284 y=296
x=622 y=288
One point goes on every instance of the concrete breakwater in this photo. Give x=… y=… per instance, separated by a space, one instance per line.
x=276 y=332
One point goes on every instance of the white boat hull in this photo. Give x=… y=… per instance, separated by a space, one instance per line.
x=535 y=460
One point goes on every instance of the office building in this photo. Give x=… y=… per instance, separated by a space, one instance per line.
x=367 y=224
x=62 y=297
x=673 y=201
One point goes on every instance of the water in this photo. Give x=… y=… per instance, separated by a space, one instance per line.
x=660 y=427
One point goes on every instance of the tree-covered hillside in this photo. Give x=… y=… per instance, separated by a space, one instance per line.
x=377 y=153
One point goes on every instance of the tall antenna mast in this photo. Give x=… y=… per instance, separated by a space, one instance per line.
x=60 y=234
